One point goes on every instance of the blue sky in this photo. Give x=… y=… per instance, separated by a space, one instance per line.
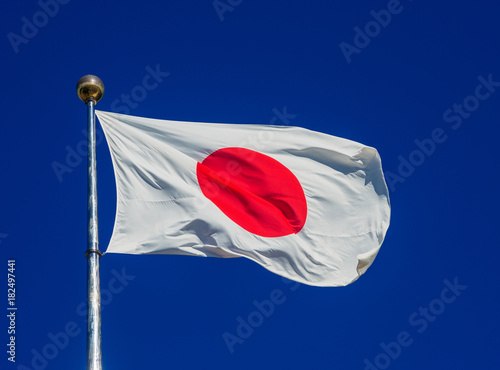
x=419 y=81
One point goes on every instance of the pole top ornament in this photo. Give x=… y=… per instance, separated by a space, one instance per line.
x=90 y=87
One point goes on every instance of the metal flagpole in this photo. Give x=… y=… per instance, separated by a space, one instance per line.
x=90 y=90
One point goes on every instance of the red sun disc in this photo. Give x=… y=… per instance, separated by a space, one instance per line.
x=254 y=190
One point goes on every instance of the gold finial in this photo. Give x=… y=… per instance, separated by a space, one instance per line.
x=90 y=87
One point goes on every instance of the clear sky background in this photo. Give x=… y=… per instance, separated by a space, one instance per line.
x=422 y=86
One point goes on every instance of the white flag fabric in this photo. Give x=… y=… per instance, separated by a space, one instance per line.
x=311 y=207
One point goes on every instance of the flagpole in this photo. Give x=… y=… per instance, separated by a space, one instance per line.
x=90 y=90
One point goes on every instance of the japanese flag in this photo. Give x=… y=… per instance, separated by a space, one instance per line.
x=311 y=207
